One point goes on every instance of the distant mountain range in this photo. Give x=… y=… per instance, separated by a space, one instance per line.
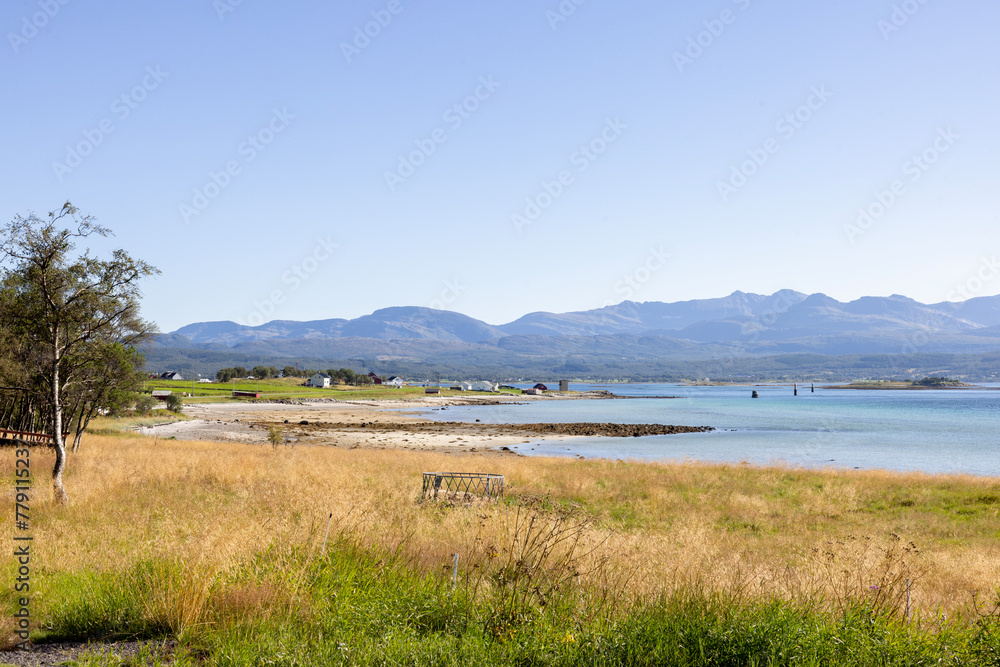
x=783 y=322
x=749 y=336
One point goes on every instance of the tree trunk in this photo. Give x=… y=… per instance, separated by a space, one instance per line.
x=81 y=426
x=57 y=437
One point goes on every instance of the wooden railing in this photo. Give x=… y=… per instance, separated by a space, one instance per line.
x=27 y=437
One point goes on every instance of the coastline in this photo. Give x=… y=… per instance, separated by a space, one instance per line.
x=904 y=387
x=389 y=424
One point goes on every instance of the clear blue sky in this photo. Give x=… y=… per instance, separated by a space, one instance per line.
x=310 y=118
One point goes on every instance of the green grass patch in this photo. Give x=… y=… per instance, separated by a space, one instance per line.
x=356 y=606
x=123 y=425
x=292 y=388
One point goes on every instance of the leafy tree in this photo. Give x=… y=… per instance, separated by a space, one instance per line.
x=144 y=404
x=290 y=371
x=175 y=403
x=345 y=375
x=261 y=372
x=110 y=382
x=66 y=315
x=240 y=371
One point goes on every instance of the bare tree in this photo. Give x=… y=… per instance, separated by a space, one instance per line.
x=73 y=319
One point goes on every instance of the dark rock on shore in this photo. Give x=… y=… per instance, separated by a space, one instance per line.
x=607 y=429
x=579 y=428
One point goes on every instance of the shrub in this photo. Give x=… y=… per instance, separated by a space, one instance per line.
x=174 y=403
x=144 y=404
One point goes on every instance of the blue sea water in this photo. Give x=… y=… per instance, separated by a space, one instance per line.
x=935 y=431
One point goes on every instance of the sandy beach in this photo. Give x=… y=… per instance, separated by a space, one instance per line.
x=348 y=424
x=382 y=425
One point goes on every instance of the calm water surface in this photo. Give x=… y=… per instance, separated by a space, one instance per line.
x=928 y=430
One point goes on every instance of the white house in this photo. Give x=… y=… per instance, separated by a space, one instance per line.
x=483 y=385
x=394 y=381
x=321 y=380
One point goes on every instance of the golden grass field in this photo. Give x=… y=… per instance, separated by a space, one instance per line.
x=226 y=515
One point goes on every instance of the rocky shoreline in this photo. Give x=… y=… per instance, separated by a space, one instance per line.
x=613 y=430
x=381 y=425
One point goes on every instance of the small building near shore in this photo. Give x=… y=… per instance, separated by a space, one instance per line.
x=161 y=394
x=394 y=381
x=531 y=392
x=375 y=379
x=483 y=385
x=321 y=380
x=540 y=387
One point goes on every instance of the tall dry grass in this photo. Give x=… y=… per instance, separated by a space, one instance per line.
x=235 y=525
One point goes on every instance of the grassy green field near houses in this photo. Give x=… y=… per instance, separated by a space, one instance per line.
x=293 y=388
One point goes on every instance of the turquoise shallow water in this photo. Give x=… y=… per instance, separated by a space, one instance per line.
x=936 y=431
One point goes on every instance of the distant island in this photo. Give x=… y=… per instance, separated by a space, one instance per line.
x=925 y=383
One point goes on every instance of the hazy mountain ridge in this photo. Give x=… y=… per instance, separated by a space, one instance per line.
x=783 y=316
x=742 y=336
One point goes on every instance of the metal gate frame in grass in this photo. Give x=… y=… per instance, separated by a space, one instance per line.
x=462 y=485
